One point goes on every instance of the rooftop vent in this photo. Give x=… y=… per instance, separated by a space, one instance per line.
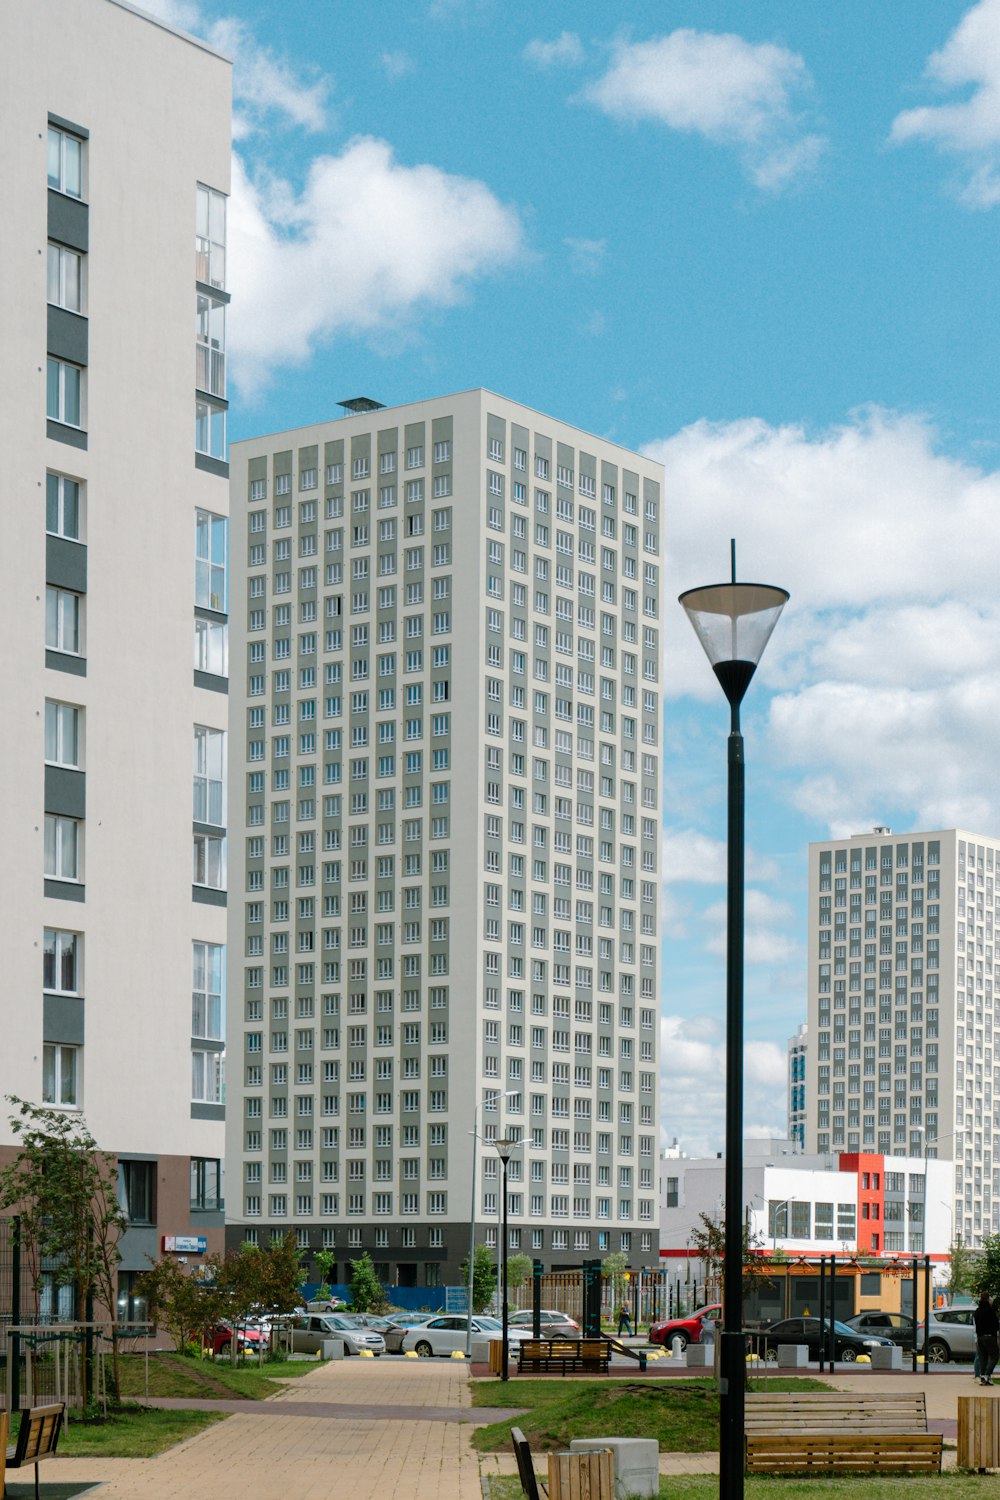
x=361 y=403
x=882 y=828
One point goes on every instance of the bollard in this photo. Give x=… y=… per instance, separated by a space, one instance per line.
x=676 y=1346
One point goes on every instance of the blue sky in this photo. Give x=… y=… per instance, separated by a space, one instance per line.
x=759 y=242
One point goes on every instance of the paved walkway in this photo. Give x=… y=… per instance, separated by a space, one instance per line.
x=387 y=1429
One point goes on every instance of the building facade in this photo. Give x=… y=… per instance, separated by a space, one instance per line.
x=115 y=161
x=798 y=1052
x=445 y=762
x=901 y=1007
x=847 y=1203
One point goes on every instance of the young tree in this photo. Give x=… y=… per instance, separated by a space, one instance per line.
x=518 y=1270
x=184 y=1304
x=65 y=1191
x=963 y=1268
x=614 y=1267
x=367 y=1294
x=708 y=1239
x=987 y=1269
x=484 y=1277
x=325 y=1262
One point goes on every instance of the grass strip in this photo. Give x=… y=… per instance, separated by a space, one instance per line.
x=132 y=1432
x=778 y=1487
x=206 y=1379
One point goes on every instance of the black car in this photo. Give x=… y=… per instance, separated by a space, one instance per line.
x=848 y=1342
x=897 y=1327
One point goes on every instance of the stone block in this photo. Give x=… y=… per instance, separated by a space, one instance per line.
x=636 y=1461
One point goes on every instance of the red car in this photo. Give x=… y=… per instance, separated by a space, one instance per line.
x=688 y=1330
x=248 y=1340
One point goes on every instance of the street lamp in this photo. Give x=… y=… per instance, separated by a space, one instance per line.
x=785 y=1204
x=504 y=1147
x=494 y=1095
x=734 y=622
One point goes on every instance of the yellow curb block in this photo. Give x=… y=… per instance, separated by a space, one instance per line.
x=457 y=1354
x=411 y=1354
x=365 y=1354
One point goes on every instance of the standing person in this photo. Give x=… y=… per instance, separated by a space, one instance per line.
x=624 y=1320
x=987 y=1329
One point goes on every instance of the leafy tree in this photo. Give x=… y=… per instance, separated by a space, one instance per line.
x=708 y=1239
x=614 y=1267
x=963 y=1268
x=325 y=1262
x=184 y=1304
x=484 y=1277
x=987 y=1269
x=518 y=1270
x=65 y=1192
x=367 y=1294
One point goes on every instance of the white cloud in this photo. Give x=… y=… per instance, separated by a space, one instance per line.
x=565 y=52
x=720 y=86
x=970 y=128
x=766 y=936
x=264 y=84
x=366 y=243
x=690 y=857
x=693 y=1085
x=887 y=660
x=396 y=64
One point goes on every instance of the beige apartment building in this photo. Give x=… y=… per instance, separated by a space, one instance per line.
x=903 y=1048
x=445 y=773
x=114 y=156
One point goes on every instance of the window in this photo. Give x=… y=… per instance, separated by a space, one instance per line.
x=207 y=1077
x=210 y=236
x=206 y=990
x=65 y=288
x=63 y=621
x=65 y=162
x=61 y=962
x=210 y=342
x=211 y=646
x=63 y=848
x=210 y=861
x=62 y=506
x=210 y=560
x=206 y=1183
x=63 y=734
x=64 y=393
x=209 y=770
x=61 y=1075
x=209 y=427
x=137 y=1191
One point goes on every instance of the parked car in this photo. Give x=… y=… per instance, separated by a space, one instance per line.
x=848 y=1342
x=248 y=1340
x=552 y=1324
x=308 y=1333
x=401 y=1326
x=688 y=1330
x=441 y=1335
x=899 y=1327
x=325 y=1304
x=951 y=1335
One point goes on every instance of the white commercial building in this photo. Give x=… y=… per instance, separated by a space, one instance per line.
x=114 y=156
x=902 y=1028
x=446 y=783
x=810 y=1205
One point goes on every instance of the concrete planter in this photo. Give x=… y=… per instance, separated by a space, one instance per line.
x=793 y=1354
x=886 y=1359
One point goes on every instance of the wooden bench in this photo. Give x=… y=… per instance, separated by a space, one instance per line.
x=532 y=1487
x=36 y=1439
x=834 y=1431
x=537 y=1355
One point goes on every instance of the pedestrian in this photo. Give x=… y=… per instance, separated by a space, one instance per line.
x=624 y=1320
x=987 y=1329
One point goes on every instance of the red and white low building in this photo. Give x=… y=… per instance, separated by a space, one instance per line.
x=846 y=1203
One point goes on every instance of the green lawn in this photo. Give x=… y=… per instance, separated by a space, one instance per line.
x=864 y=1487
x=682 y=1415
x=207 y=1379
x=132 y=1432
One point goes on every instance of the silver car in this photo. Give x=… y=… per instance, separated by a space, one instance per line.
x=552 y=1324
x=951 y=1335
x=308 y=1334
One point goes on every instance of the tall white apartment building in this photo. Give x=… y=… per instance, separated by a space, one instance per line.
x=114 y=156
x=798 y=1053
x=903 y=1052
x=445 y=762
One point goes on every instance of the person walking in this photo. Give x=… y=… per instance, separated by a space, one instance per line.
x=624 y=1320
x=987 y=1329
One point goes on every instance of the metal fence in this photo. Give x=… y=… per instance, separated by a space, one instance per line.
x=47 y=1362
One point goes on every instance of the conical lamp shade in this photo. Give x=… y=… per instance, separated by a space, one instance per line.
x=734 y=622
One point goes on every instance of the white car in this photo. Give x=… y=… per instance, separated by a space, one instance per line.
x=442 y=1335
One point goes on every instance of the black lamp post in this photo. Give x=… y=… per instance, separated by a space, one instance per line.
x=504 y=1147
x=734 y=621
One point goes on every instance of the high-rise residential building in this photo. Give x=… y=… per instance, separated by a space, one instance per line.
x=445 y=765
x=902 y=1040
x=115 y=162
x=798 y=1052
